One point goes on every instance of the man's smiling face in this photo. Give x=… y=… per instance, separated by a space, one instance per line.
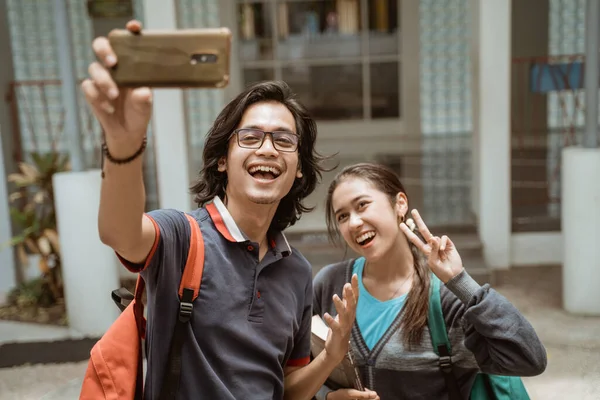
x=264 y=175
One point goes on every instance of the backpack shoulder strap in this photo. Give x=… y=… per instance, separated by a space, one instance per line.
x=439 y=338
x=437 y=326
x=349 y=268
x=189 y=287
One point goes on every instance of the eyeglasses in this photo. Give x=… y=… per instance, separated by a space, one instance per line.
x=250 y=138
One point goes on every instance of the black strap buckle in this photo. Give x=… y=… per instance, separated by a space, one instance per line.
x=120 y=296
x=445 y=363
x=185 y=311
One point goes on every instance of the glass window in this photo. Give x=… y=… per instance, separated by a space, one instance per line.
x=325 y=49
x=252 y=75
x=319 y=29
x=385 y=101
x=330 y=92
x=383 y=27
x=255 y=31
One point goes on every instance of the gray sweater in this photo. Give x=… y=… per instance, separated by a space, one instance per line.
x=486 y=332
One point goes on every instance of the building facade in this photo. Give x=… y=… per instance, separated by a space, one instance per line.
x=393 y=81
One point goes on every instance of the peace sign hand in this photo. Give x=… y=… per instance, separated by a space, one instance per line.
x=442 y=257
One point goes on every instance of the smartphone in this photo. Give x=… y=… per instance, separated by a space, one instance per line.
x=184 y=58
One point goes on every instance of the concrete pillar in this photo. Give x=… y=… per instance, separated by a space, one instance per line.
x=7 y=261
x=106 y=19
x=170 y=131
x=581 y=195
x=410 y=99
x=88 y=266
x=475 y=156
x=581 y=230
x=491 y=99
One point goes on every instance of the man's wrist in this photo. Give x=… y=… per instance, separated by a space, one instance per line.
x=123 y=145
x=122 y=154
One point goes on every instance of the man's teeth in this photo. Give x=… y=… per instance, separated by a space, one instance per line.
x=263 y=168
x=365 y=236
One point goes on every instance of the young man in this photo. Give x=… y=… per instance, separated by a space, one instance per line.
x=250 y=328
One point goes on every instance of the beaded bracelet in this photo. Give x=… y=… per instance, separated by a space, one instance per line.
x=119 y=161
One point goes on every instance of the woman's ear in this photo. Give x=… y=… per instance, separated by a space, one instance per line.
x=401 y=206
x=222 y=164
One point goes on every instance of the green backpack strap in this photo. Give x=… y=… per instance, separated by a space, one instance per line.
x=485 y=387
x=439 y=338
x=437 y=326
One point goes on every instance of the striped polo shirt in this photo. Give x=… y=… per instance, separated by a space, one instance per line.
x=250 y=320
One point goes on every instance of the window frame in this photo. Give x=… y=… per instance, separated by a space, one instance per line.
x=408 y=122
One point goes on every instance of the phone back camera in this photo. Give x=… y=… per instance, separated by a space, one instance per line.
x=203 y=58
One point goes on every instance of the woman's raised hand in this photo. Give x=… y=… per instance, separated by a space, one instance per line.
x=340 y=327
x=442 y=257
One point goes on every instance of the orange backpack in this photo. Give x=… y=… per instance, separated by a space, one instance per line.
x=115 y=368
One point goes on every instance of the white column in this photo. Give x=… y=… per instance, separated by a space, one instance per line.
x=581 y=229
x=88 y=266
x=581 y=193
x=7 y=261
x=474 y=20
x=170 y=133
x=492 y=56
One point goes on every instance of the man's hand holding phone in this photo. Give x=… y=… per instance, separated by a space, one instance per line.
x=124 y=113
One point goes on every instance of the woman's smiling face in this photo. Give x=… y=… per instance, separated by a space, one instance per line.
x=366 y=218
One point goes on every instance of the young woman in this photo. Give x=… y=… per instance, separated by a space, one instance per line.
x=391 y=343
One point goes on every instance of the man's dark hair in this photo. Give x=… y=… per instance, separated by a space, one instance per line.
x=212 y=183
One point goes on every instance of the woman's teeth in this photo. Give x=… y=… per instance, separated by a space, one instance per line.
x=364 y=237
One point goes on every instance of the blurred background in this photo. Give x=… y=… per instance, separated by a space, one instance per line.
x=471 y=102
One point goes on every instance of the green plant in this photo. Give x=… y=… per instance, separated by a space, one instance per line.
x=32 y=210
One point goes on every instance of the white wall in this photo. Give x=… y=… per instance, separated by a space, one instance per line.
x=536 y=248
x=492 y=56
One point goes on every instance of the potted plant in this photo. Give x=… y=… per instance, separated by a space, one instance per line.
x=32 y=210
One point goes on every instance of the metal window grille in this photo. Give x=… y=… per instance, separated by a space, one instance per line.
x=36 y=92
